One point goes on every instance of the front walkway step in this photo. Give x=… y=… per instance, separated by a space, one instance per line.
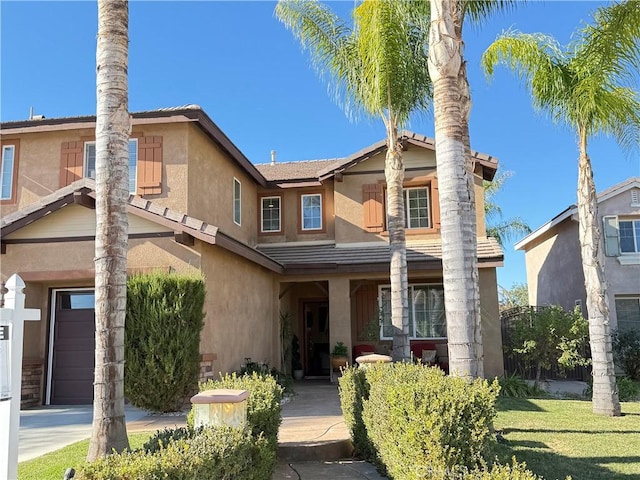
x=343 y=470
x=327 y=451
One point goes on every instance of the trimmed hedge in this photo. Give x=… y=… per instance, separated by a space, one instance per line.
x=162 y=338
x=417 y=422
x=215 y=452
x=263 y=404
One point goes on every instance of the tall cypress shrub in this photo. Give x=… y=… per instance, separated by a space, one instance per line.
x=162 y=337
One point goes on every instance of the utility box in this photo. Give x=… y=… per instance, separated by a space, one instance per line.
x=220 y=407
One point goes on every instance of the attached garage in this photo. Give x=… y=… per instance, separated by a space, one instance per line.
x=72 y=347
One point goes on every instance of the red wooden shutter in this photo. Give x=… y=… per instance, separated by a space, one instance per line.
x=373 y=207
x=149 y=181
x=71 y=161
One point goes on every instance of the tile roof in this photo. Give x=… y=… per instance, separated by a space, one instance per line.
x=300 y=170
x=348 y=258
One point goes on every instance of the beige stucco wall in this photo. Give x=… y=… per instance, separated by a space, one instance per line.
x=210 y=186
x=240 y=303
x=491 y=327
x=39 y=163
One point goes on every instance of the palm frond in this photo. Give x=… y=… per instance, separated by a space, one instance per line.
x=478 y=11
x=505 y=231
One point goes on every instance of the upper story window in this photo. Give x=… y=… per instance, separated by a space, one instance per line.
x=311 y=211
x=270 y=214
x=237 y=201
x=6 y=171
x=629 y=236
x=417 y=207
x=426 y=311
x=89 y=168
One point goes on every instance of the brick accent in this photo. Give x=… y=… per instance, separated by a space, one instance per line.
x=31 y=383
x=206 y=366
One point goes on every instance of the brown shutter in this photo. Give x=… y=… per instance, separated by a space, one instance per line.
x=373 y=207
x=435 y=204
x=71 y=161
x=149 y=181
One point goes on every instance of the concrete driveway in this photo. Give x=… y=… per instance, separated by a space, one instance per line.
x=45 y=429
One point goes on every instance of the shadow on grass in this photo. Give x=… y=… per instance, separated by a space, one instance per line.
x=517 y=404
x=557 y=430
x=541 y=460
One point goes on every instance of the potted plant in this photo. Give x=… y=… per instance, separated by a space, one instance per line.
x=296 y=365
x=339 y=357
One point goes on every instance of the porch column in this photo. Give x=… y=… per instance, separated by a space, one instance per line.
x=339 y=313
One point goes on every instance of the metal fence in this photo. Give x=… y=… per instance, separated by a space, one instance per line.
x=513 y=364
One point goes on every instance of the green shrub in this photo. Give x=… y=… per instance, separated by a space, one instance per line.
x=423 y=422
x=162 y=337
x=215 y=452
x=163 y=437
x=263 y=404
x=516 y=387
x=515 y=471
x=354 y=391
x=626 y=352
x=628 y=389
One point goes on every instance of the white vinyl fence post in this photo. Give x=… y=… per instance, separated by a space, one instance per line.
x=12 y=318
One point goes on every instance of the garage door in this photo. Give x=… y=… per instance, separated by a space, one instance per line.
x=73 y=348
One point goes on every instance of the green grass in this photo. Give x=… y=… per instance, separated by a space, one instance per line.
x=557 y=438
x=53 y=465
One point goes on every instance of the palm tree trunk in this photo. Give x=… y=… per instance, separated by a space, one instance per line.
x=605 y=393
x=109 y=430
x=394 y=176
x=456 y=203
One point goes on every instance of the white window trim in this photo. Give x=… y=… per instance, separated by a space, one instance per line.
x=302 y=197
x=85 y=165
x=406 y=206
x=2 y=167
x=411 y=285
x=239 y=211
x=262 y=199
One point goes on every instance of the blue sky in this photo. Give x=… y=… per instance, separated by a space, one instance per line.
x=249 y=74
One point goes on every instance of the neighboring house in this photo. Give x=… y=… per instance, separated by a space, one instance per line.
x=554 y=263
x=307 y=238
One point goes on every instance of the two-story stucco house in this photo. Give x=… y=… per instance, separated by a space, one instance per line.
x=304 y=238
x=554 y=263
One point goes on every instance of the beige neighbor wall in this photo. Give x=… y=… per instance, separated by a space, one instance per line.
x=241 y=308
x=210 y=188
x=291 y=214
x=39 y=163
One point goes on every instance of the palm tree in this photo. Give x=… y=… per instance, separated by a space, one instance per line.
x=109 y=431
x=501 y=230
x=585 y=86
x=378 y=67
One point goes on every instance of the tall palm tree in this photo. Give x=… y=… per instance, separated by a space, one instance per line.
x=109 y=431
x=377 y=67
x=585 y=85
x=501 y=230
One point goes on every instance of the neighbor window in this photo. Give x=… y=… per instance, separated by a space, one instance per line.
x=628 y=313
x=237 y=202
x=426 y=311
x=270 y=214
x=629 y=236
x=311 y=211
x=417 y=207
x=6 y=173
x=90 y=162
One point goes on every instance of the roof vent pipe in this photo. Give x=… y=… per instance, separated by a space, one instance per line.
x=273 y=157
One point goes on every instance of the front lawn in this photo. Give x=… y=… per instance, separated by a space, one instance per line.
x=53 y=465
x=557 y=438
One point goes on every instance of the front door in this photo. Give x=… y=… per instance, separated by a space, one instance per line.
x=316 y=338
x=73 y=355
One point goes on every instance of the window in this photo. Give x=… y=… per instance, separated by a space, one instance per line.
x=628 y=312
x=6 y=173
x=629 y=236
x=417 y=207
x=311 y=211
x=270 y=214
x=237 y=203
x=426 y=311
x=90 y=162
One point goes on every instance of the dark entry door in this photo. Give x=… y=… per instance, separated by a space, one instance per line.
x=73 y=348
x=316 y=327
